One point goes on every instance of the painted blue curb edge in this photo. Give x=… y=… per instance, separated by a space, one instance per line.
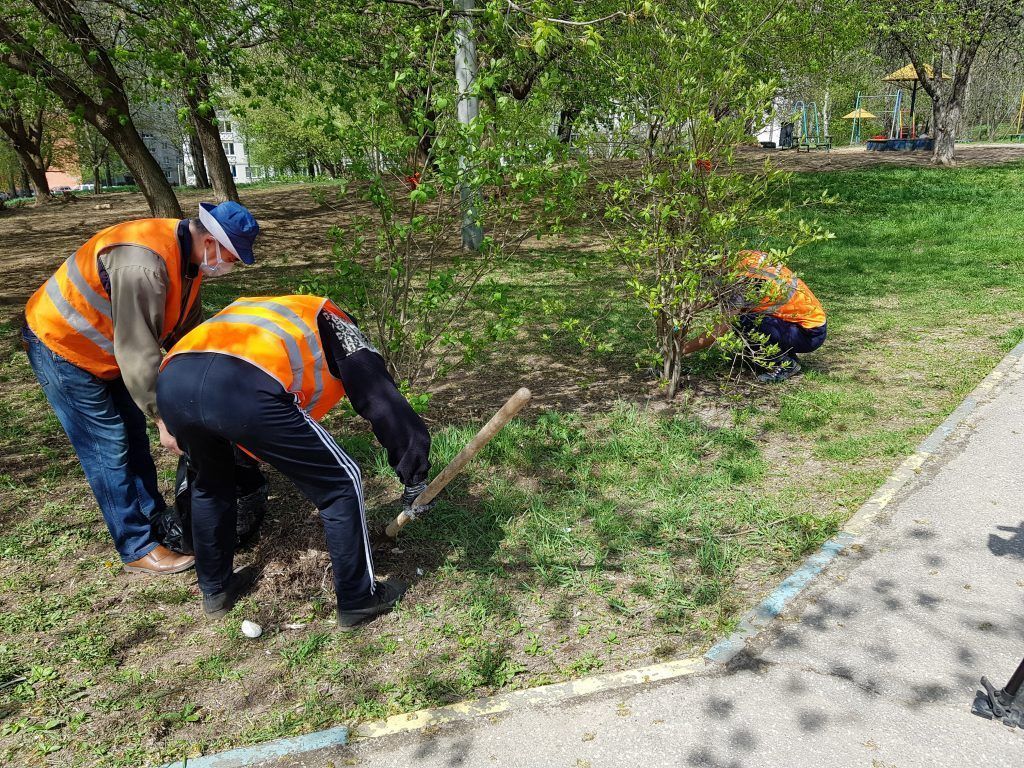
x=772 y=605
x=246 y=756
x=726 y=649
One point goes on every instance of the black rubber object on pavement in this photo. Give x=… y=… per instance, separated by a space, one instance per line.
x=1006 y=704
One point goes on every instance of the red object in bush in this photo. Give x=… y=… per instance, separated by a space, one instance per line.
x=413 y=181
x=703 y=164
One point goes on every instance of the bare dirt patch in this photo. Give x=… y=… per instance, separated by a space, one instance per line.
x=855 y=158
x=129 y=660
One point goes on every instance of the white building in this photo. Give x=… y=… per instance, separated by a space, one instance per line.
x=234 y=144
x=166 y=155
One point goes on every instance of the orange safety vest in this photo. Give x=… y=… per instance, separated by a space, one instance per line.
x=277 y=334
x=789 y=298
x=70 y=312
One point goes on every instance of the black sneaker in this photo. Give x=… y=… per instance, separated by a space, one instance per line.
x=380 y=602
x=217 y=606
x=784 y=370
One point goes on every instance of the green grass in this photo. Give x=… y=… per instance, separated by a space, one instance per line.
x=593 y=534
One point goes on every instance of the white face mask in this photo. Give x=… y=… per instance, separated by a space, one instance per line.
x=219 y=268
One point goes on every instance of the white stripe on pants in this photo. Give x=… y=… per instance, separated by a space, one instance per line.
x=352 y=470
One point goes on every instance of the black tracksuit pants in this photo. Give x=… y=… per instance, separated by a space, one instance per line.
x=209 y=401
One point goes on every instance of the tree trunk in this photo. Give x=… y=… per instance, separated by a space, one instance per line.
x=567 y=123
x=97 y=185
x=126 y=141
x=26 y=137
x=947 y=118
x=110 y=114
x=217 y=166
x=109 y=175
x=36 y=175
x=33 y=175
x=198 y=161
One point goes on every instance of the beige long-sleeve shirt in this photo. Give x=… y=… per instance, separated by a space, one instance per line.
x=138 y=293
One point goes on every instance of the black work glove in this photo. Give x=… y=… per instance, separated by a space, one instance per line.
x=409 y=496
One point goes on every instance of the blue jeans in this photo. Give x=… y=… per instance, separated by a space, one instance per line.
x=108 y=432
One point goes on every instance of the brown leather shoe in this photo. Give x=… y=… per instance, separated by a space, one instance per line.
x=161 y=561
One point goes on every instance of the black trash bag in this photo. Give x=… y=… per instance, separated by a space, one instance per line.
x=251 y=492
x=174 y=527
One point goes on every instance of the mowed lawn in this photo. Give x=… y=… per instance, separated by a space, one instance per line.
x=602 y=530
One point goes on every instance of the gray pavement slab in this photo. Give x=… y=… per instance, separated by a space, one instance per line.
x=874 y=666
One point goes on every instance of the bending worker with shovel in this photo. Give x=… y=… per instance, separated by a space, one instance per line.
x=260 y=374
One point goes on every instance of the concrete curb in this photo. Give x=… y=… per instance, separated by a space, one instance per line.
x=270 y=750
x=769 y=608
x=721 y=653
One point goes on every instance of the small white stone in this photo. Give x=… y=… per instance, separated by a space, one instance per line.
x=419 y=571
x=251 y=629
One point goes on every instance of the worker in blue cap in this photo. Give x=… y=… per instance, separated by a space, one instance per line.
x=95 y=334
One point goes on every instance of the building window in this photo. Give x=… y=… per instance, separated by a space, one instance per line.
x=234 y=171
x=229 y=147
x=225 y=126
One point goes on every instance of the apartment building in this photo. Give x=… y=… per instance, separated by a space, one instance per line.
x=234 y=144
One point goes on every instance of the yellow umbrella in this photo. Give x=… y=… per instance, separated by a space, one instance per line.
x=859 y=114
x=908 y=74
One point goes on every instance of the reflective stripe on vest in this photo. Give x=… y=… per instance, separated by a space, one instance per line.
x=100 y=303
x=312 y=339
x=75 y=319
x=299 y=363
x=796 y=303
x=779 y=280
x=71 y=312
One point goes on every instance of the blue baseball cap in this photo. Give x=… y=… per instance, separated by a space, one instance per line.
x=233 y=227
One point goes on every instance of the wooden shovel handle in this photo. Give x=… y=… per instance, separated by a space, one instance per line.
x=473 y=447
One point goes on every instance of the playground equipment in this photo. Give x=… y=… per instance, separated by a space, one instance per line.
x=1019 y=136
x=900 y=127
x=809 y=123
x=857 y=115
x=887 y=108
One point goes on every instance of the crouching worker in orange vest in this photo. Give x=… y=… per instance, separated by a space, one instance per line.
x=785 y=311
x=95 y=333
x=261 y=373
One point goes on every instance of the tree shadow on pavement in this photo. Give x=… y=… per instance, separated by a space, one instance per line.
x=1012 y=546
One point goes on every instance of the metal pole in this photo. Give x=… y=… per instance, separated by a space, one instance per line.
x=824 y=115
x=468 y=110
x=1016 y=680
x=855 y=132
x=913 y=101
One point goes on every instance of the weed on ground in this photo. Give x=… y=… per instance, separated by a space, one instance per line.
x=601 y=530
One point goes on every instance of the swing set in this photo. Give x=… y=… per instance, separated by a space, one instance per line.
x=889 y=110
x=806 y=129
x=1019 y=136
x=901 y=129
